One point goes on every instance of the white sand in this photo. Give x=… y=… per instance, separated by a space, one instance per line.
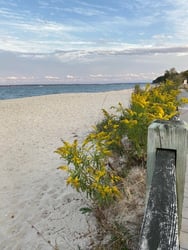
x=36 y=206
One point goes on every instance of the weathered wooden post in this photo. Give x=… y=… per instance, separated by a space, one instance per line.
x=166 y=166
x=169 y=135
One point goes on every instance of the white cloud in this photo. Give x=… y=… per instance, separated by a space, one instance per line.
x=84 y=11
x=12 y=78
x=124 y=77
x=70 y=77
x=17 y=79
x=52 y=78
x=96 y=76
x=90 y=55
x=177 y=18
x=126 y=38
x=25 y=31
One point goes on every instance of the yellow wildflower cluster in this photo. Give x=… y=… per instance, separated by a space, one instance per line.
x=75 y=182
x=107 y=192
x=159 y=102
x=88 y=170
x=87 y=163
x=146 y=105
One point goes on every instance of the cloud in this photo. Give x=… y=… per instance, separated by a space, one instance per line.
x=75 y=41
x=132 y=22
x=70 y=77
x=52 y=78
x=178 y=17
x=15 y=79
x=96 y=76
x=84 y=11
x=92 y=54
x=123 y=77
x=12 y=78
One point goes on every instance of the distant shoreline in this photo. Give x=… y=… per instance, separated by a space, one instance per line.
x=69 y=84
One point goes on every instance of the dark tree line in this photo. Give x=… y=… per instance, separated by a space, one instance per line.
x=172 y=75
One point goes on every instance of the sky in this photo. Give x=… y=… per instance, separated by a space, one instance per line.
x=91 y=41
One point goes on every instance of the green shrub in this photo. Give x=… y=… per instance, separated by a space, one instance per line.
x=89 y=172
x=88 y=165
x=146 y=105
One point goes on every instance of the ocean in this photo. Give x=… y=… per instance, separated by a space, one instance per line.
x=22 y=91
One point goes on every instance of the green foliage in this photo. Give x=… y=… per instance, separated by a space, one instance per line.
x=85 y=210
x=172 y=75
x=88 y=170
x=122 y=132
x=88 y=165
x=146 y=105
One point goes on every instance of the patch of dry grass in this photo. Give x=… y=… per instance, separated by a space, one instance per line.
x=119 y=225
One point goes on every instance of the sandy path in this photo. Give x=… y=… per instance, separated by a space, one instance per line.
x=33 y=194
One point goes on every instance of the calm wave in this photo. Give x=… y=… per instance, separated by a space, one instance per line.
x=21 y=91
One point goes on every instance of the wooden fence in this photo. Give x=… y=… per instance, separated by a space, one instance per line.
x=166 y=166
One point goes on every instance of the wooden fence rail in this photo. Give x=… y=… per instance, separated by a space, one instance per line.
x=166 y=165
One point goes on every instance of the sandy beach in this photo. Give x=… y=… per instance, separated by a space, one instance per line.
x=37 y=210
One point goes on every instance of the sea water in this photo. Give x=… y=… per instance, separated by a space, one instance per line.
x=21 y=91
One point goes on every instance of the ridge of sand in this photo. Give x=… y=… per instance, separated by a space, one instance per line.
x=37 y=209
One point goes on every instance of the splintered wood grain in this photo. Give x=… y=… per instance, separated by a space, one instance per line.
x=184 y=226
x=160 y=226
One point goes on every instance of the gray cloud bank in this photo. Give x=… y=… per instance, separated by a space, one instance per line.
x=91 y=66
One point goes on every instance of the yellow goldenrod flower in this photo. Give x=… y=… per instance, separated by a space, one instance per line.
x=69 y=180
x=115 y=177
x=107 y=190
x=99 y=174
x=116 y=126
x=76 y=182
x=116 y=191
x=76 y=160
x=94 y=185
x=65 y=168
x=125 y=121
x=184 y=100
